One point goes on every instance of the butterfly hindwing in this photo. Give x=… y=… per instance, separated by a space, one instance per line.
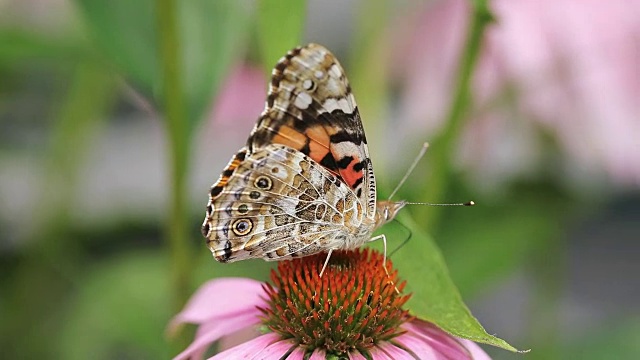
x=276 y=203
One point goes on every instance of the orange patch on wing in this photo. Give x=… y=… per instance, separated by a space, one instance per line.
x=319 y=145
x=224 y=179
x=222 y=182
x=351 y=176
x=290 y=137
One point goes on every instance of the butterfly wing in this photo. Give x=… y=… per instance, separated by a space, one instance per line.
x=276 y=203
x=310 y=108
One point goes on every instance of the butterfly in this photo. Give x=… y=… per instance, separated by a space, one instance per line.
x=304 y=182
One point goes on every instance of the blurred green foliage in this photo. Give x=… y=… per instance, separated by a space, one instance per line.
x=211 y=37
x=72 y=292
x=276 y=32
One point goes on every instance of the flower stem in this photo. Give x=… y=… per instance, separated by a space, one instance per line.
x=443 y=145
x=173 y=106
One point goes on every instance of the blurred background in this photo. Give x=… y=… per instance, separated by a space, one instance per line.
x=116 y=117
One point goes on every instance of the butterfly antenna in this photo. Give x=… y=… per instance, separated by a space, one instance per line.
x=469 y=203
x=425 y=146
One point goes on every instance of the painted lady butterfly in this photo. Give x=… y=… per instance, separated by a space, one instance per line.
x=304 y=182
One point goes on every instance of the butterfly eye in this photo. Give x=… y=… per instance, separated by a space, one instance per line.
x=263 y=182
x=242 y=227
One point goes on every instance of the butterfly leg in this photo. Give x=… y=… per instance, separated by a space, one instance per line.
x=384 y=245
x=384 y=258
x=326 y=262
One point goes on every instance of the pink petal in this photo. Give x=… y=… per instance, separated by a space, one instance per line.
x=249 y=349
x=357 y=356
x=210 y=332
x=394 y=352
x=378 y=354
x=238 y=337
x=416 y=345
x=222 y=297
x=317 y=355
x=441 y=342
x=298 y=354
x=476 y=351
x=275 y=350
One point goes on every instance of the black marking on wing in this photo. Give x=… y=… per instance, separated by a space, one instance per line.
x=359 y=166
x=344 y=162
x=227 y=252
x=329 y=162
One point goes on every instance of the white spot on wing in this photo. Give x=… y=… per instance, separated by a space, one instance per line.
x=346 y=148
x=316 y=178
x=303 y=100
x=333 y=104
x=335 y=71
x=352 y=101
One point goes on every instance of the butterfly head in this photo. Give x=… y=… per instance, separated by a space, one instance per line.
x=386 y=210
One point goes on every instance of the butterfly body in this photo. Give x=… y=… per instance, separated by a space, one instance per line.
x=304 y=182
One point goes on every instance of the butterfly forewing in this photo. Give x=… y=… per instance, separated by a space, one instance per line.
x=310 y=108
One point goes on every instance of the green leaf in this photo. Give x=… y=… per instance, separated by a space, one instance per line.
x=435 y=297
x=280 y=25
x=211 y=35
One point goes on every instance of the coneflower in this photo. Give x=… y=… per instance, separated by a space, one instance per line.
x=354 y=311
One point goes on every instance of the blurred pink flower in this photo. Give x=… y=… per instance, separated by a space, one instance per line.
x=225 y=306
x=239 y=103
x=568 y=67
x=241 y=97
